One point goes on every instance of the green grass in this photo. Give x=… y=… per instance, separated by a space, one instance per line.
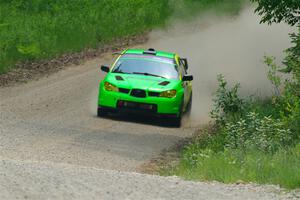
x=40 y=29
x=232 y=166
x=37 y=29
x=253 y=140
x=188 y=9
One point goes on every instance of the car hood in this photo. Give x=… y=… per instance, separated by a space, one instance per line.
x=134 y=81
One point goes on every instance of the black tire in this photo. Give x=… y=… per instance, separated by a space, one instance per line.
x=177 y=121
x=102 y=112
x=189 y=106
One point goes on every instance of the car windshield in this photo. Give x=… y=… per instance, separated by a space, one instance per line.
x=148 y=65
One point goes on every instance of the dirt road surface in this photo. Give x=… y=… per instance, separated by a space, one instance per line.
x=52 y=143
x=54 y=119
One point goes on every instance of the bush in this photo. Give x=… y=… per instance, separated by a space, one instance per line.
x=254 y=140
x=257 y=133
x=227 y=104
x=249 y=124
x=289 y=103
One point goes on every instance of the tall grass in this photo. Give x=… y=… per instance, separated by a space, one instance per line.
x=38 y=29
x=252 y=141
x=35 y=29
x=281 y=168
x=187 y=9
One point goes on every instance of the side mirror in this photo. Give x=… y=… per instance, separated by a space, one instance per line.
x=188 y=78
x=105 y=68
x=185 y=63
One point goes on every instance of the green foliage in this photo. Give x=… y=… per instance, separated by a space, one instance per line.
x=37 y=29
x=227 y=104
x=230 y=166
x=254 y=124
x=255 y=140
x=261 y=145
x=254 y=132
x=30 y=51
x=189 y=8
x=266 y=126
x=292 y=61
x=273 y=74
x=278 y=10
x=289 y=105
x=292 y=64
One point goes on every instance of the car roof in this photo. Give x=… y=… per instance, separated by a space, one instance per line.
x=150 y=51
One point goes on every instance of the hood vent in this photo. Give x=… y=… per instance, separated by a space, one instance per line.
x=164 y=83
x=119 y=78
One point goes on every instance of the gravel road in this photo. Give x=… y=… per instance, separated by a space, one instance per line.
x=54 y=119
x=31 y=180
x=52 y=145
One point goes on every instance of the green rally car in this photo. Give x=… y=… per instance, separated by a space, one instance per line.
x=147 y=81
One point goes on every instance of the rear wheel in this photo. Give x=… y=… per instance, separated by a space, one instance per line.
x=102 y=112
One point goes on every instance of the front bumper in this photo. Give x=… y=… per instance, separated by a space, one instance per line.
x=159 y=105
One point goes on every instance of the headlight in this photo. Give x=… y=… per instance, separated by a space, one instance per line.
x=168 y=94
x=110 y=87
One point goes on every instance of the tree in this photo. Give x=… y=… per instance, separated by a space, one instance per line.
x=275 y=11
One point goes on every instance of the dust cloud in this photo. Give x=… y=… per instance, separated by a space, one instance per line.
x=232 y=46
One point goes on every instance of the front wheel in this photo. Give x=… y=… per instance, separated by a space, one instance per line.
x=177 y=121
x=189 y=105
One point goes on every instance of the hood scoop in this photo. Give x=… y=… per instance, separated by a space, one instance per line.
x=119 y=78
x=164 y=83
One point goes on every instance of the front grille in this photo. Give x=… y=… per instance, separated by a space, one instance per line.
x=124 y=90
x=138 y=93
x=153 y=94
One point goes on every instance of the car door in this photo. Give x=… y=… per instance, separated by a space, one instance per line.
x=185 y=84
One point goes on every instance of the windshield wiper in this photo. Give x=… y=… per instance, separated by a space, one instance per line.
x=148 y=74
x=120 y=72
